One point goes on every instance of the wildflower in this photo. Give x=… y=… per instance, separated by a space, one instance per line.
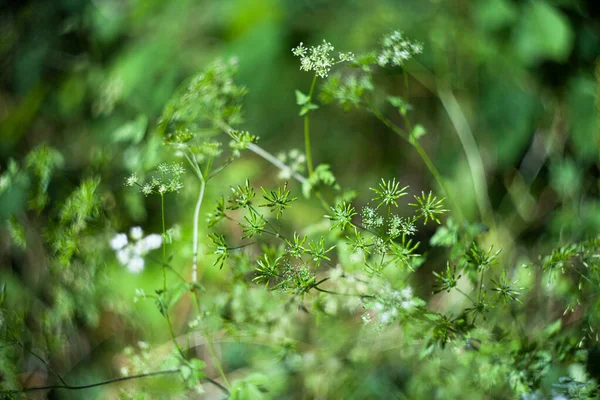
x=136 y=233
x=370 y=218
x=315 y=58
x=396 y=49
x=118 y=241
x=135 y=265
x=131 y=180
x=147 y=189
x=130 y=254
x=153 y=241
x=345 y=57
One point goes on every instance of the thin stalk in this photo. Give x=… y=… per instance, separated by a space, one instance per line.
x=211 y=348
x=164 y=267
x=106 y=382
x=164 y=242
x=430 y=166
x=256 y=149
x=307 y=147
x=466 y=295
x=196 y=218
x=47 y=364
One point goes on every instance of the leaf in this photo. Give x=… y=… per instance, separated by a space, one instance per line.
x=186 y=372
x=417 y=132
x=132 y=131
x=307 y=108
x=544 y=33
x=301 y=98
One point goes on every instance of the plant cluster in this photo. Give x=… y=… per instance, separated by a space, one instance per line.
x=334 y=295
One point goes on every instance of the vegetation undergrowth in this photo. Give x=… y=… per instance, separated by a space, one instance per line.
x=327 y=309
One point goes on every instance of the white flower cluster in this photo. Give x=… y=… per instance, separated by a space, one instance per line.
x=397 y=49
x=389 y=303
x=316 y=58
x=168 y=182
x=370 y=218
x=294 y=160
x=399 y=226
x=130 y=254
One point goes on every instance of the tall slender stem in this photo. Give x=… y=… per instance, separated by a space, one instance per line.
x=211 y=348
x=196 y=218
x=164 y=242
x=307 y=147
x=432 y=168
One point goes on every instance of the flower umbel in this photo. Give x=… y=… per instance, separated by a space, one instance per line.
x=318 y=58
x=397 y=49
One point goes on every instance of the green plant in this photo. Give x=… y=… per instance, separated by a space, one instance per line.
x=345 y=278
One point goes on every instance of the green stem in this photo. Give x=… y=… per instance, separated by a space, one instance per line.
x=309 y=162
x=211 y=348
x=164 y=267
x=196 y=218
x=164 y=242
x=414 y=143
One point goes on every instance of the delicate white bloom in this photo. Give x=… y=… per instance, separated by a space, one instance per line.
x=153 y=241
x=147 y=189
x=136 y=265
x=136 y=233
x=407 y=304
x=131 y=254
x=177 y=169
x=124 y=255
x=346 y=56
x=124 y=371
x=315 y=58
x=397 y=49
x=285 y=173
x=131 y=180
x=370 y=218
x=407 y=292
x=139 y=248
x=163 y=167
x=118 y=241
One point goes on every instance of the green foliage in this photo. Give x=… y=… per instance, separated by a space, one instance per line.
x=339 y=294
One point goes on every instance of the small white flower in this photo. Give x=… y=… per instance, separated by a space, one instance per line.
x=131 y=180
x=147 y=189
x=136 y=233
x=153 y=241
x=136 y=265
x=124 y=255
x=118 y=241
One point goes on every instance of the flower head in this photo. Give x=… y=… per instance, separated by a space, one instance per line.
x=396 y=49
x=316 y=58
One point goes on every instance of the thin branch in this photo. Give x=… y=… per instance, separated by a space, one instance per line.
x=47 y=364
x=106 y=382
x=264 y=154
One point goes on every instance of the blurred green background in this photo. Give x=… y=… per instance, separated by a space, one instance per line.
x=90 y=78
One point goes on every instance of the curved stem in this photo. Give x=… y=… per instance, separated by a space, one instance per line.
x=106 y=382
x=256 y=149
x=430 y=166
